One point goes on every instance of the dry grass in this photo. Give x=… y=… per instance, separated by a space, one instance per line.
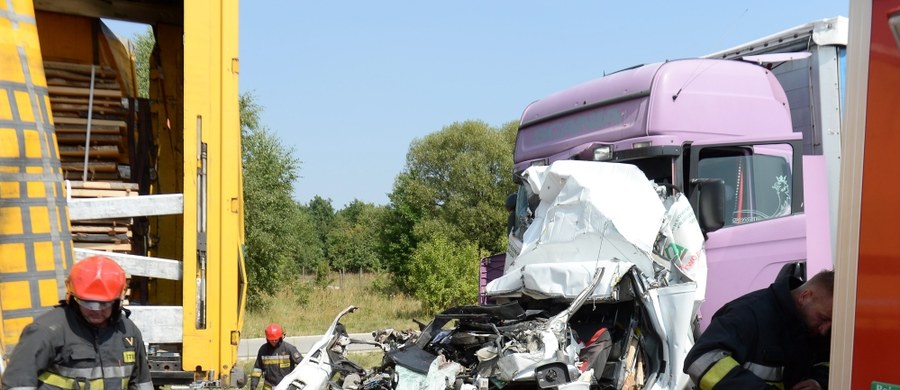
x=378 y=309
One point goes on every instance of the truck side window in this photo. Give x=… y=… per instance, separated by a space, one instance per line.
x=526 y=203
x=757 y=186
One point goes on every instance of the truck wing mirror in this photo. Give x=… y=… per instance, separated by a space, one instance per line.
x=711 y=203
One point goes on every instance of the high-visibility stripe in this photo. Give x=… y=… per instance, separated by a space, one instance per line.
x=94 y=372
x=65 y=382
x=718 y=371
x=766 y=373
x=23 y=388
x=62 y=382
x=704 y=362
x=779 y=385
x=142 y=386
x=823 y=364
x=276 y=360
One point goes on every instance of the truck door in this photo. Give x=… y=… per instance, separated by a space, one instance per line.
x=764 y=222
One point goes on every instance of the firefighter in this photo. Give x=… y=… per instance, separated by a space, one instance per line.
x=275 y=360
x=777 y=337
x=86 y=342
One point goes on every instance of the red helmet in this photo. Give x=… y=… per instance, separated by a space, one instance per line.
x=274 y=332
x=96 y=278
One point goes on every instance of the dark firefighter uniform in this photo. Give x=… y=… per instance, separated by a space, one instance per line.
x=759 y=341
x=274 y=363
x=60 y=350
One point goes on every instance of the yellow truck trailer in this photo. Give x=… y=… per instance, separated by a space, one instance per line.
x=154 y=183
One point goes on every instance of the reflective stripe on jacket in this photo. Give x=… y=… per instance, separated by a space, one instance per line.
x=60 y=350
x=274 y=363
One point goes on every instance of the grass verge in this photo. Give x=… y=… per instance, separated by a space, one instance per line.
x=310 y=310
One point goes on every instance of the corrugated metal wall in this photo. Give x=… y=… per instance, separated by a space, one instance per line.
x=35 y=240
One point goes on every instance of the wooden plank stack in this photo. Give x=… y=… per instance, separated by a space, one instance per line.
x=102 y=234
x=69 y=86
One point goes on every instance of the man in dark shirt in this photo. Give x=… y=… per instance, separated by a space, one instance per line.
x=275 y=360
x=778 y=337
x=85 y=342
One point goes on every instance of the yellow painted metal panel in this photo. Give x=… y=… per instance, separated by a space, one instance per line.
x=40 y=219
x=49 y=292
x=12 y=328
x=16 y=295
x=200 y=96
x=232 y=235
x=28 y=39
x=11 y=220
x=23 y=102
x=210 y=93
x=22 y=7
x=9 y=190
x=46 y=243
x=9 y=143
x=50 y=118
x=13 y=255
x=36 y=189
x=59 y=214
x=67 y=255
x=49 y=140
x=32 y=144
x=5 y=109
x=43 y=256
x=10 y=67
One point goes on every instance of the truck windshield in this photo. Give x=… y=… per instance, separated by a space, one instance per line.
x=661 y=170
x=757 y=186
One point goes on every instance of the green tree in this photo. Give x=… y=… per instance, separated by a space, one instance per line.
x=310 y=251
x=443 y=273
x=396 y=239
x=276 y=228
x=453 y=187
x=250 y=113
x=322 y=214
x=143 y=44
x=352 y=240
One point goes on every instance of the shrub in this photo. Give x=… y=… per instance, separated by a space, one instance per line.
x=444 y=273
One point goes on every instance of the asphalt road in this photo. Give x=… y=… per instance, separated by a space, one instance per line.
x=248 y=348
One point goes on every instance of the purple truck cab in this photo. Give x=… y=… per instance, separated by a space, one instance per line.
x=685 y=123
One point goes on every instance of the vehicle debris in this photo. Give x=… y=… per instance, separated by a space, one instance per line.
x=600 y=292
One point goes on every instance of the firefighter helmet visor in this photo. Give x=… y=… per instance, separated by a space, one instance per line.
x=94 y=305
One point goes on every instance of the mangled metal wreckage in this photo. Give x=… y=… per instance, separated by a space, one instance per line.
x=600 y=289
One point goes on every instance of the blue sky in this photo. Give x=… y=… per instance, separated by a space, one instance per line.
x=348 y=85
